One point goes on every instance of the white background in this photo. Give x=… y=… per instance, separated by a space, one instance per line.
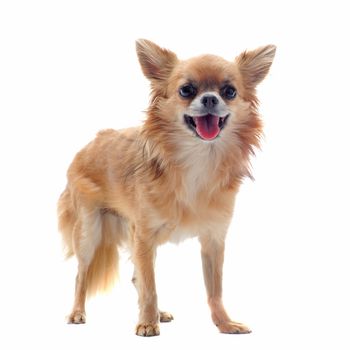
x=68 y=69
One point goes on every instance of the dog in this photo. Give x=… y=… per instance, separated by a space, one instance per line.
x=174 y=177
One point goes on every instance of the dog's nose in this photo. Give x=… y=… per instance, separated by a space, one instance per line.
x=209 y=101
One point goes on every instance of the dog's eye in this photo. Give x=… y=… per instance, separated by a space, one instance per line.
x=187 y=91
x=228 y=92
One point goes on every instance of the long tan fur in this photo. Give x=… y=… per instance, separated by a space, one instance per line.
x=103 y=268
x=145 y=186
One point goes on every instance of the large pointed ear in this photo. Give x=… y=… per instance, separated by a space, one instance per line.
x=254 y=65
x=156 y=62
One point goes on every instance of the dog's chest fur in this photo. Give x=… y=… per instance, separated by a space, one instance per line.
x=192 y=202
x=199 y=167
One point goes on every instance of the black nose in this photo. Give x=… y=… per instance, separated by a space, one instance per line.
x=209 y=101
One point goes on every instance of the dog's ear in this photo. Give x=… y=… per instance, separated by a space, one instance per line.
x=156 y=62
x=254 y=65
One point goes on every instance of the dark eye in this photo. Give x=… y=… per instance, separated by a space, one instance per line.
x=187 y=91
x=228 y=92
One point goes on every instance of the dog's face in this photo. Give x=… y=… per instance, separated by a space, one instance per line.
x=204 y=88
x=206 y=96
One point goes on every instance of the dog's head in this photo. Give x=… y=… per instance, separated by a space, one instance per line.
x=204 y=97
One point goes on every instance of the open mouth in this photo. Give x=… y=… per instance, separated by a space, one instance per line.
x=207 y=127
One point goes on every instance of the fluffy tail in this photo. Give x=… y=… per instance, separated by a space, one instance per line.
x=103 y=267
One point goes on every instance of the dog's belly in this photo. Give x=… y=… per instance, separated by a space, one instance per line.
x=215 y=227
x=180 y=234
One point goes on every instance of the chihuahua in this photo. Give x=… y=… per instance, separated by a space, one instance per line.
x=174 y=177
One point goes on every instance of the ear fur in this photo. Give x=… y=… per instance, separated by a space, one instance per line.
x=156 y=62
x=254 y=65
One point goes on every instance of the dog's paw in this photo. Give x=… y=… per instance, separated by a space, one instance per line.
x=147 y=329
x=77 y=317
x=165 y=316
x=233 y=328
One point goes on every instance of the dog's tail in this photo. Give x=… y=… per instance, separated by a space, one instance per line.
x=103 y=269
x=103 y=263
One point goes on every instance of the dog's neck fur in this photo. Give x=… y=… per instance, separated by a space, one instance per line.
x=190 y=165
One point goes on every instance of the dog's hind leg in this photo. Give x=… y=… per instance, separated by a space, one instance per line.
x=87 y=237
x=96 y=236
x=78 y=315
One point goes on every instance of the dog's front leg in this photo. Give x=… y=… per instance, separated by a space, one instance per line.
x=212 y=261
x=143 y=258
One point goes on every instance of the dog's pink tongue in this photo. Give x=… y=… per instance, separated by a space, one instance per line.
x=207 y=126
